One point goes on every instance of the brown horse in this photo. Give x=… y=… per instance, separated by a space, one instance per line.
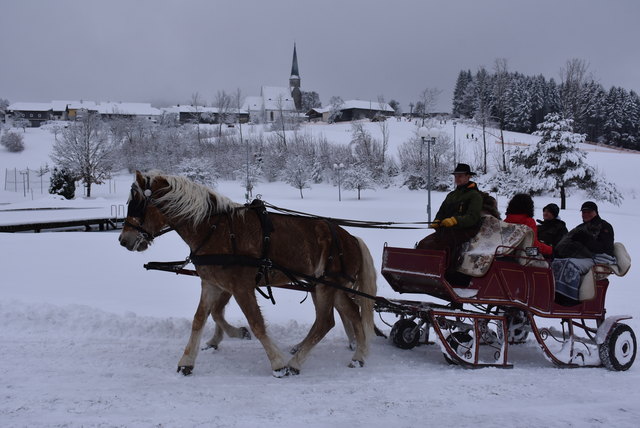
x=231 y=243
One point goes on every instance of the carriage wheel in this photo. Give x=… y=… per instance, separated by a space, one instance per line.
x=618 y=350
x=405 y=334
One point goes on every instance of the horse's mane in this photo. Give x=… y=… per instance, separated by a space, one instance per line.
x=191 y=201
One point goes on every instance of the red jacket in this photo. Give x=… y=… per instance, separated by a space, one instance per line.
x=545 y=249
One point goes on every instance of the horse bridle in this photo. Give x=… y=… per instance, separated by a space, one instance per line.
x=137 y=208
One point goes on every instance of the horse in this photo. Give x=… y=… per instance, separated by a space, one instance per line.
x=237 y=247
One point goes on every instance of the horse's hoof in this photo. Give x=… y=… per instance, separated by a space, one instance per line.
x=286 y=371
x=209 y=346
x=185 y=370
x=245 y=334
x=283 y=372
x=356 y=364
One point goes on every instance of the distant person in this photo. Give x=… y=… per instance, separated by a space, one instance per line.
x=551 y=229
x=520 y=211
x=585 y=245
x=457 y=221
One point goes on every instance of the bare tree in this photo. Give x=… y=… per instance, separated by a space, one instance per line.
x=483 y=107
x=223 y=103
x=195 y=103
x=429 y=100
x=500 y=100
x=86 y=150
x=576 y=98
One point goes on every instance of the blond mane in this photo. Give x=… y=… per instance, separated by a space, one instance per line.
x=191 y=201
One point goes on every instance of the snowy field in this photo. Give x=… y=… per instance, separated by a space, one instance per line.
x=89 y=338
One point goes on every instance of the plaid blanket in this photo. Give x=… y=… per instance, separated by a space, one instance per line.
x=568 y=275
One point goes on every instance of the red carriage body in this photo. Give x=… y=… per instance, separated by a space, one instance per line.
x=513 y=298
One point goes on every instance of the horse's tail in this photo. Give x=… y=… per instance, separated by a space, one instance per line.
x=366 y=283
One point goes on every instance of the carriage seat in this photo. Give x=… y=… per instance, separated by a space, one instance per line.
x=623 y=264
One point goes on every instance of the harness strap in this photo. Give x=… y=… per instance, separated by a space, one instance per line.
x=300 y=279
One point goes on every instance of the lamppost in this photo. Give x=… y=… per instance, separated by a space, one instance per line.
x=339 y=167
x=455 y=161
x=428 y=135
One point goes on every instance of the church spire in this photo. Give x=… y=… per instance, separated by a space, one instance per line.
x=294 y=81
x=294 y=64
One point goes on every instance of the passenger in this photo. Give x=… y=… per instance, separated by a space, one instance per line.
x=575 y=253
x=520 y=211
x=489 y=206
x=551 y=229
x=457 y=221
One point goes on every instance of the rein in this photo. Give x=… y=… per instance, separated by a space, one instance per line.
x=349 y=222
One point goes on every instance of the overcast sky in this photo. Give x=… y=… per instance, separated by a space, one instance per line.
x=164 y=51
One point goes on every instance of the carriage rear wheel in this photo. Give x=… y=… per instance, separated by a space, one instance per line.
x=618 y=351
x=405 y=334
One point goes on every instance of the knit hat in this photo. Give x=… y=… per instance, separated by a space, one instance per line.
x=553 y=209
x=589 y=206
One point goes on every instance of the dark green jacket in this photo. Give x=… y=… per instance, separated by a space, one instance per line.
x=464 y=203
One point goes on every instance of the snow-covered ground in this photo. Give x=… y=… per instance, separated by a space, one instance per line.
x=89 y=338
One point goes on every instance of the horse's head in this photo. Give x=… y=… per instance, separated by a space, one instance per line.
x=144 y=220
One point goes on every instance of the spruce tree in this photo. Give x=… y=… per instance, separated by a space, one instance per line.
x=557 y=163
x=62 y=183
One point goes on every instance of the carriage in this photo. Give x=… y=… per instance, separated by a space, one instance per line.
x=513 y=300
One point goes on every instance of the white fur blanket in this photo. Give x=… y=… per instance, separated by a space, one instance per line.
x=479 y=252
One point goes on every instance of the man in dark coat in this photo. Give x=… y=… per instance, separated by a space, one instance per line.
x=457 y=221
x=551 y=229
x=577 y=251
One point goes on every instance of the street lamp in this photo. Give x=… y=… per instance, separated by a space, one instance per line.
x=339 y=167
x=429 y=136
x=455 y=161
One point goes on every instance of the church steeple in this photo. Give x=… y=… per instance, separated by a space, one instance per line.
x=294 y=65
x=294 y=81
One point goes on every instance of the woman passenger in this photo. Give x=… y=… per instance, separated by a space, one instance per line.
x=520 y=211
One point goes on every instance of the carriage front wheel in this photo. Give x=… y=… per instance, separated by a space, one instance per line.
x=618 y=350
x=405 y=334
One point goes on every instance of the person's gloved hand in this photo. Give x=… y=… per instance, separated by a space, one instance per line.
x=449 y=222
x=434 y=224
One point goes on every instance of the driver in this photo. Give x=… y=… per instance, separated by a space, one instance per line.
x=457 y=221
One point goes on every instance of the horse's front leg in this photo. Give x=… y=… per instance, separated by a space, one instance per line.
x=220 y=300
x=188 y=360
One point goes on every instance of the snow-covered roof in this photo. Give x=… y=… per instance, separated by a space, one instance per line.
x=200 y=109
x=29 y=107
x=359 y=104
x=276 y=98
x=135 y=109
x=252 y=103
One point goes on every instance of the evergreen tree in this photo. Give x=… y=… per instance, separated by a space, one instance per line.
x=459 y=108
x=557 y=163
x=62 y=183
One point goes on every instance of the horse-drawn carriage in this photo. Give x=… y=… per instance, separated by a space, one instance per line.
x=513 y=299
x=237 y=248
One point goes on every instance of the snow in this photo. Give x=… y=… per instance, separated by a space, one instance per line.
x=90 y=338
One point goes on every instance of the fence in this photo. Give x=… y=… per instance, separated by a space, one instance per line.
x=27 y=181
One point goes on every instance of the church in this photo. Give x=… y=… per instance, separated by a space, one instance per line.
x=276 y=100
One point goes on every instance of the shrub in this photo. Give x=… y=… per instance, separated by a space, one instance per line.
x=13 y=142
